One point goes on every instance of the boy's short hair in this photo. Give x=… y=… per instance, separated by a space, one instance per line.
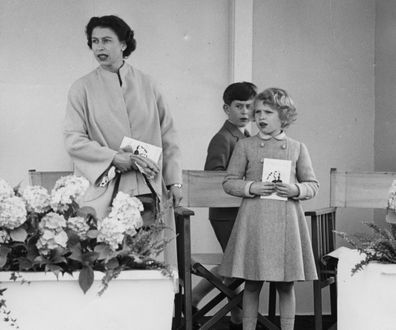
x=280 y=100
x=241 y=91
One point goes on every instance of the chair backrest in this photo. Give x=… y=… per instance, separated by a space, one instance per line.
x=360 y=189
x=204 y=189
x=46 y=179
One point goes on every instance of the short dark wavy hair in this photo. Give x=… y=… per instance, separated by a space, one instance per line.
x=120 y=28
x=241 y=91
x=280 y=100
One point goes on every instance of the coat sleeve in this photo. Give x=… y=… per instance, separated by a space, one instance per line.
x=218 y=154
x=89 y=157
x=171 y=168
x=234 y=182
x=307 y=183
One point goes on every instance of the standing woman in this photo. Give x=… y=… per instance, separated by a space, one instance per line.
x=114 y=101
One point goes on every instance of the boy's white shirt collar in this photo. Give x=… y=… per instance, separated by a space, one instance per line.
x=280 y=136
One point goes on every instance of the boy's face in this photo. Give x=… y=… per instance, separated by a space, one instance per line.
x=238 y=112
x=267 y=119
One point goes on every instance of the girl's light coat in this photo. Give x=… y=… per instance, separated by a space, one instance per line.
x=270 y=239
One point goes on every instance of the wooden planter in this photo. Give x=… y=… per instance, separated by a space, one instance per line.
x=137 y=299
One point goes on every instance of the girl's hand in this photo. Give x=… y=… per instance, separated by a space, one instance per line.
x=146 y=165
x=262 y=188
x=286 y=190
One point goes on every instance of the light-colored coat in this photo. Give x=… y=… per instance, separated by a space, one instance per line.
x=270 y=240
x=100 y=113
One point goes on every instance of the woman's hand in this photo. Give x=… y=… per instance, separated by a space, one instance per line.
x=122 y=161
x=176 y=195
x=262 y=188
x=146 y=165
x=286 y=190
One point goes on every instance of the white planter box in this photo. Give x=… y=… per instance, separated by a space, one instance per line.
x=366 y=300
x=136 y=300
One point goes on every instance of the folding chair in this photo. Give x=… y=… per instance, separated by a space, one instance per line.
x=322 y=227
x=46 y=179
x=203 y=189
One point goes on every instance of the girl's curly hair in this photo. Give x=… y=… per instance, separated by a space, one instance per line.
x=280 y=100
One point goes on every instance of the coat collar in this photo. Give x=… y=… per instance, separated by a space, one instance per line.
x=233 y=129
x=279 y=137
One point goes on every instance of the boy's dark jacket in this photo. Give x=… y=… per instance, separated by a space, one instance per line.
x=219 y=153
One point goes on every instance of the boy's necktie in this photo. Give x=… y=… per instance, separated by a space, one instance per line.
x=246 y=133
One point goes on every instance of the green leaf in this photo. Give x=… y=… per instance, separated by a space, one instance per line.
x=86 y=278
x=104 y=251
x=86 y=211
x=112 y=264
x=25 y=263
x=93 y=233
x=4 y=251
x=76 y=253
x=19 y=234
x=40 y=260
x=90 y=257
x=55 y=269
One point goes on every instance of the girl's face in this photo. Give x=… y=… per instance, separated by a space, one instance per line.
x=267 y=119
x=107 y=48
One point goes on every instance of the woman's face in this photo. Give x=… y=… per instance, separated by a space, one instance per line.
x=107 y=48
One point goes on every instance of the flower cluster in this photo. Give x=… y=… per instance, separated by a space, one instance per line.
x=37 y=199
x=124 y=219
x=5 y=190
x=52 y=233
x=41 y=231
x=67 y=190
x=12 y=212
x=79 y=226
x=392 y=196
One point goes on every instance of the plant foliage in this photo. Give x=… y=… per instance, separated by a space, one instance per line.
x=379 y=246
x=42 y=231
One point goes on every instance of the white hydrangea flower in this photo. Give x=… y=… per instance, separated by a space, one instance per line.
x=66 y=190
x=37 y=199
x=52 y=232
x=4 y=237
x=52 y=221
x=111 y=232
x=79 y=226
x=392 y=196
x=50 y=240
x=12 y=212
x=5 y=189
x=126 y=209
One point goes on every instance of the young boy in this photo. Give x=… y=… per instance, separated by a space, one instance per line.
x=238 y=99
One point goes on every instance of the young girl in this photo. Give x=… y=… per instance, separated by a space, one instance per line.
x=270 y=239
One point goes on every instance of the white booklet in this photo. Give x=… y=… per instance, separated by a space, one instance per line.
x=276 y=170
x=141 y=148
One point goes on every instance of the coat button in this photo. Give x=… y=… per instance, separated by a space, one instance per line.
x=283 y=146
x=261 y=160
x=262 y=144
